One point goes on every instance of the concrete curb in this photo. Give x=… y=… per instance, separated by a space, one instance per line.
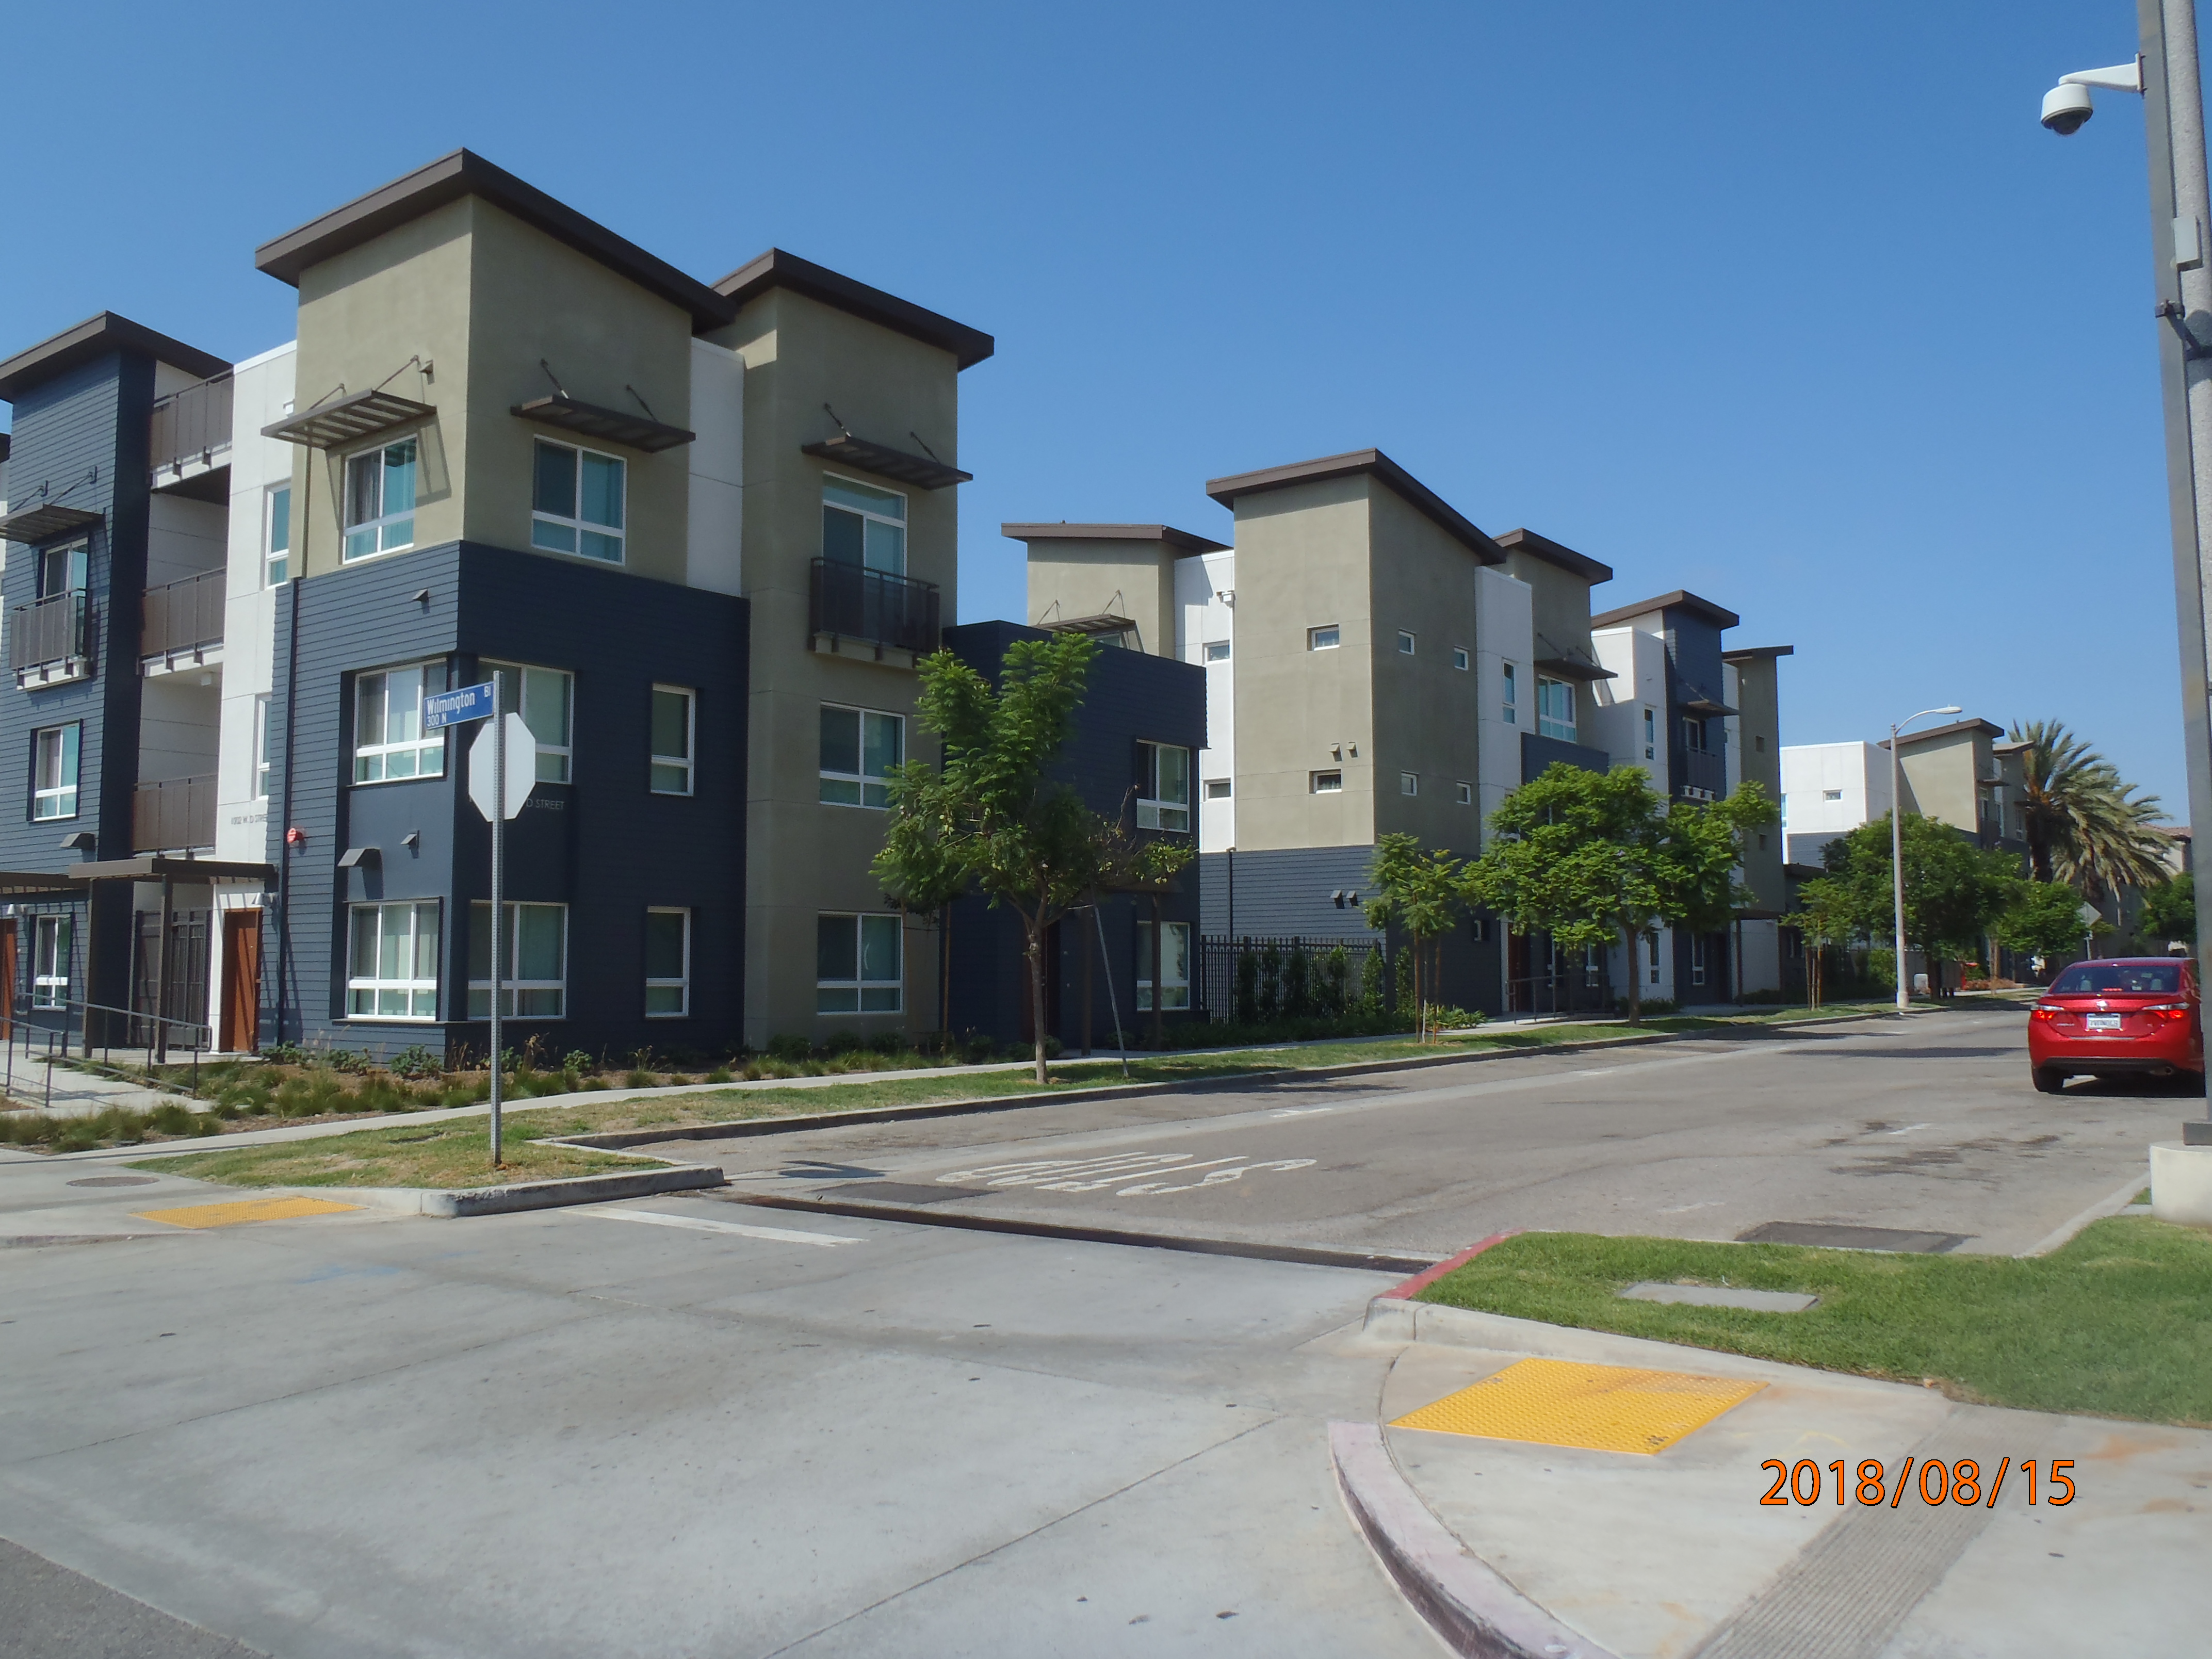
x=518 y=1195
x=1465 y=1599
x=39 y=1241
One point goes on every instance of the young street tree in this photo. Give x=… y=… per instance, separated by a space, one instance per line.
x=1954 y=890
x=993 y=815
x=1421 y=891
x=2044 y=919
x=1598 y=859
x=2169 y=910
x=1825 y=916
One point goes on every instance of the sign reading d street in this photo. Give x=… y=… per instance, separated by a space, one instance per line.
x=469 y=702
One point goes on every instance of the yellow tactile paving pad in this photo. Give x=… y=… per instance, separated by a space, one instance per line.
x=249 y=1209
x=1553 y=1402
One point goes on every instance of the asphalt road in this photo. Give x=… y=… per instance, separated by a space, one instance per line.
x=1930 y=1126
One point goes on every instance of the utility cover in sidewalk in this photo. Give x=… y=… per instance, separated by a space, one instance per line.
x=1555 y=1403
x=251 y=1209
x=1720 y=1296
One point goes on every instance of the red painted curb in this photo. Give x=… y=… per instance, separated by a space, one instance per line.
x=1407 y=1288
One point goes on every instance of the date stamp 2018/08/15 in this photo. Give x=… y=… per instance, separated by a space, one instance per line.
x=1937 y=1483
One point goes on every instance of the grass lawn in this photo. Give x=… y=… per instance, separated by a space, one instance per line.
x=2118 y=1323
x=454 y=1153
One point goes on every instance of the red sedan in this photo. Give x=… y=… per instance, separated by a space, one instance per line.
x=2131 y=1017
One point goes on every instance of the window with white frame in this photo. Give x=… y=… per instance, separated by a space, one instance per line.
x=533 y=970
x=261 y=767
x=51 y=945
x=1593 y=967
x=388 y=740
x=1459 y=658
x=1216 y=789
x=64 y=569
x=1510 y=695
x=1697 y=958
x=1325 y=638
x=1651 y=736
x=546 y=700
x=380 y=501
x=1325 y=783
x=857 y=965
x=1216 y=651
x=667 y=963
x=1555 y=709
x=576 y=502
x=863 y=525
x=1465 y=795
x=276 y=540
x=861 y=749
x=1175 y=966
x=1163 y=787
x=1652 y=941
x=675 y=730
x=54 y=771
x=1409 y=783
x=1404 y=643
x=1831 y=794
x=392 y=971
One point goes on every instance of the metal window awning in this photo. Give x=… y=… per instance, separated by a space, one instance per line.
x=45 y=521
x=1574 y=668
x=608 y=425
x=34 y=884
x=922 y=472
x=1702 y=704
x=365 y=414
x=1106 y=623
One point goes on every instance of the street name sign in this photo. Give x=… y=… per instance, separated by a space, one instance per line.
x=469 y=702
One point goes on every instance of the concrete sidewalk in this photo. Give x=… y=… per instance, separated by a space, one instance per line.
x=1672 y=1553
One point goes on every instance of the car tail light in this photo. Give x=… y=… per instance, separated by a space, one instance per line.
x=2168 y=1010
x=2046 y=1010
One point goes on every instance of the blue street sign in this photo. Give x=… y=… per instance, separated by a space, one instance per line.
x=470 y=702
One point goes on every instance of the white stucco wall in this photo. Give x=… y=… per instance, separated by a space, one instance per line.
x=1855 y=775
x=1205 y=613
x=262 y=395
x=1505 y=632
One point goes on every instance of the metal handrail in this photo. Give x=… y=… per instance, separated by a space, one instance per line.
x=186 y=615
x=202 y=1036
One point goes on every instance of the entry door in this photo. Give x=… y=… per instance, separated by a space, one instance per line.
x=242 y=981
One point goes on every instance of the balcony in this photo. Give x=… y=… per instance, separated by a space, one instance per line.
x=1705 y=774
x=182 y=625
x=174 y=816
x=851 y=602
x=50 y=641
x=190 y=438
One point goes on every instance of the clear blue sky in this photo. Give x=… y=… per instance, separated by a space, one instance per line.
x=1795 y=307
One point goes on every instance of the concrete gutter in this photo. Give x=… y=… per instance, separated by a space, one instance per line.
x=1466 y=1602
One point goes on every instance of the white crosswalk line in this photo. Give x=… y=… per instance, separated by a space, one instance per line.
x=701 y=1225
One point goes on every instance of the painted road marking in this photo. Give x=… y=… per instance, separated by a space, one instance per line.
x=700 y=1225
x=251 y=1209
x=1152 y=1172
x=1554 y=1402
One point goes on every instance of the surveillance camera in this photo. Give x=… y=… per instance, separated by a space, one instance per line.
x=2065 y=107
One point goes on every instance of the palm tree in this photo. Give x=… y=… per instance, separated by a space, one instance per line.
x=2085 y=826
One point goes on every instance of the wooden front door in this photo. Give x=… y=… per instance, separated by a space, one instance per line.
x=242 y=981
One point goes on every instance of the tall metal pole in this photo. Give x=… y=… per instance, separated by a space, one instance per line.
x=1896 y=866
x=498 y=895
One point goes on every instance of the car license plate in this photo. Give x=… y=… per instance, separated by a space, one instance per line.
x=2103 y=1022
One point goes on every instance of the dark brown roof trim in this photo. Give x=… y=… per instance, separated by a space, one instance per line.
x=98 y=336
x=1064 y=531
x=1752 y=652
x=1911 y=738
x=1415 y=494
x=776 y=268
x=1680 y=600
x=464 y=172
x=1543 y=547
x=1574 y=668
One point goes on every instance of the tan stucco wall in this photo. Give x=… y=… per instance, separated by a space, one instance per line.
x=1559 y=605
x=1085 y=578
x=1423 y=581
x=804 y=858
x=1939 y=776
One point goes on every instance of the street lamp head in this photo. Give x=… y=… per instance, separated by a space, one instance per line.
x=1948 y=708
x=2065 y=109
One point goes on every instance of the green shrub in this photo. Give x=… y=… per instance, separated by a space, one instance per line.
x=578 y=1061
x=284 y=1053
x=719 y=1074
x=790 y=1046
x=1443 y=1017
x=416 y=1062
x=171 y=1119
x=346 y=1060
x=640 y=1080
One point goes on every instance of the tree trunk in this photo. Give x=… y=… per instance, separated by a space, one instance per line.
x=1421 y=1005
x=1037 y=990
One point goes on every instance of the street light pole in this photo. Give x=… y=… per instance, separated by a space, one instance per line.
x=1897 y=846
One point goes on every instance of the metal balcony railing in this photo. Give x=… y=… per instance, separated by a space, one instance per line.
x=1705 y=774
x=852 y=602
x=183 y=617
x=50 y=639
x=178 y=812
x=191 y=426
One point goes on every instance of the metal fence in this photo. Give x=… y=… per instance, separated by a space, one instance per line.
x=49 y=630
x=191 y=424
x=1252 y=981
x=173 y=815
x=852 y=602
x=183 y=616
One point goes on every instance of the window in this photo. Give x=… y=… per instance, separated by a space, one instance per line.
x=667 y=963
x=1216 y=789
x=380 y=501
x=1510 y=698
x=863 y=525
x=576 y=502
x=675 y=725
x=276 y=548
x=533 y=970
x=388 y=740
x=1555 y=709
x=1758 y=742
x=1459 y=657
x=1831 y=794
x=54 y=757
x=861 y=749
x=1651 y=736
x=1467 y=794
x=856 y=965
x=1175 y=965
x=546 y=700
x=1593 y=968
x=1325 y=783
x=261 y=745
x=1163 y=787
x=1652 y=940
x=1694 y=734
x=1216 y=651
x=64 y=569
x=1404 y=643
x=1409 y=783
x=1321 y=638
x=1697 y=958
x=51 y=953
x=394 y=965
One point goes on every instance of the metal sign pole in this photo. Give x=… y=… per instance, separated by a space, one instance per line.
x=498 y=910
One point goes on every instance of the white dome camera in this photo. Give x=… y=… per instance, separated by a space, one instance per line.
x=2066 y=108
